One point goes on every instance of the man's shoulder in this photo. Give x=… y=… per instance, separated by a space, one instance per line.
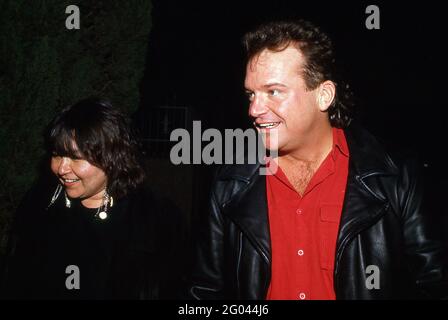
x=390 y=173
x=369 y=154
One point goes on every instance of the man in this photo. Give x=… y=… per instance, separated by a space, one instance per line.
x=338 y=219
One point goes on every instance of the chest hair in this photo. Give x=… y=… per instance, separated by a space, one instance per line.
x=300 y=174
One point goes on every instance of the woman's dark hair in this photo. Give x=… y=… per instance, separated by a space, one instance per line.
x=317 y=49
x=103 y=137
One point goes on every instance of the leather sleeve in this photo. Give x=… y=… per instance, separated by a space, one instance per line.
x=422 y=233
x=207 y=278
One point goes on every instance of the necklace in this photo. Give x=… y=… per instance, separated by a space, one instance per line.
x=108 y=202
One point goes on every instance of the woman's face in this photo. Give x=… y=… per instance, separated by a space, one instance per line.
x=81 y=179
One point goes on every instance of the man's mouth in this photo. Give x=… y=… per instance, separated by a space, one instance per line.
x=267 y=125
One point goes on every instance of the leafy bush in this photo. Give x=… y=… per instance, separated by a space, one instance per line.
x=44 y=67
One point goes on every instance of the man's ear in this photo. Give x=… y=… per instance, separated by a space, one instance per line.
x=326 y=93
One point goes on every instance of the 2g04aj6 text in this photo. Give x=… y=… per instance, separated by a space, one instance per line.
x=240 y=309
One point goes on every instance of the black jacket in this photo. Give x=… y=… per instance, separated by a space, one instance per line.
x=383 y=223
x=134 y=254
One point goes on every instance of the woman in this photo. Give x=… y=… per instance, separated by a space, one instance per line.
x=95 y=233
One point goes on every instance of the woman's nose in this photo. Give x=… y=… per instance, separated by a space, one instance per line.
x=64 y=166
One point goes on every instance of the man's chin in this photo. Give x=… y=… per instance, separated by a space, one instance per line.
x=272 y=150
x=271 y=140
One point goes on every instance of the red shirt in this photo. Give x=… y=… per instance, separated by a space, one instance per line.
x=304 y=228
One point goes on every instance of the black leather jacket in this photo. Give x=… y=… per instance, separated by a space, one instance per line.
x=383 y=223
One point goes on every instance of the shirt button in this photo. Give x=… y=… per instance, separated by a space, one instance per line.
x=300 y=252
x=299 y=211
x=302 y=296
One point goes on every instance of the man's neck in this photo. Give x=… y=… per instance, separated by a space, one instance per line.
x=316 y=149
x=300 y=166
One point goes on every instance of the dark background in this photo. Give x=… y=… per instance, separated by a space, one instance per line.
x=398 y=73
x=194 y=70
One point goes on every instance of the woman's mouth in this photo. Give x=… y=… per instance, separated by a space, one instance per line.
x=69 y=182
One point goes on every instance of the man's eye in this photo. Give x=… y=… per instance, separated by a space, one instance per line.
x=274 y=92
x=250 y=95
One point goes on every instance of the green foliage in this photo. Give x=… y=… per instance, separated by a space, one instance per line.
x=44 y=67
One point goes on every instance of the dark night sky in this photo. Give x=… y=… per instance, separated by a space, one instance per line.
x=195 y=59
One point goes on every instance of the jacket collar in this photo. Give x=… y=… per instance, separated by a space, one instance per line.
x=367 y=155
x=368 y=160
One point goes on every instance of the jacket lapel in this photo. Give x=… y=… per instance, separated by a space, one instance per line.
x=248 y=210
x=360 y=209
x=363 y=203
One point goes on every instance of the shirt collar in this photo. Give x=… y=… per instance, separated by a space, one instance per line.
x=339 y=142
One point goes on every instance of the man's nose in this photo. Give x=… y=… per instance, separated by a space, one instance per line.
x=64 y=166
x=258 y=107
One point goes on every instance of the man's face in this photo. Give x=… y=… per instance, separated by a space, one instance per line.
x=281 y=105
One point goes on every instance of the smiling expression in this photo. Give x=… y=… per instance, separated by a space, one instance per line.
x=281 y=105
x=81 y=179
